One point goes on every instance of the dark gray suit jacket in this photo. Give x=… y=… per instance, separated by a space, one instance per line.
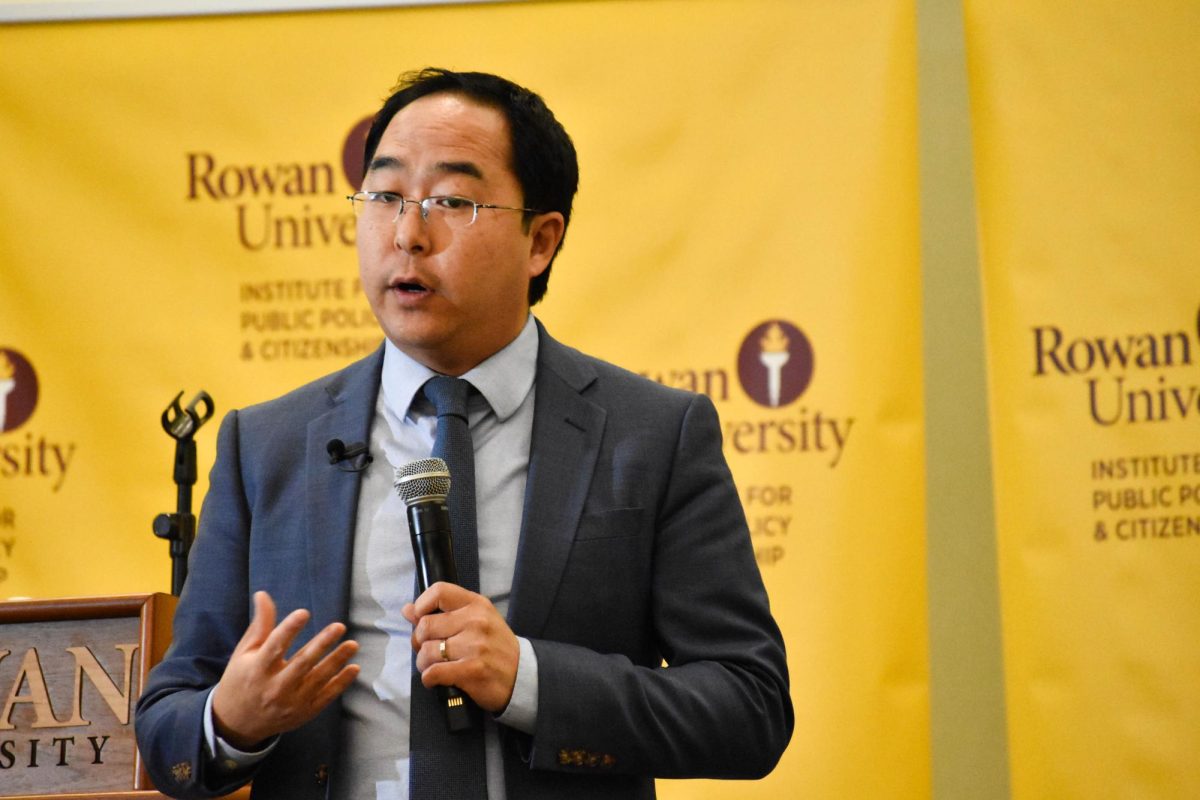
x=633 y=550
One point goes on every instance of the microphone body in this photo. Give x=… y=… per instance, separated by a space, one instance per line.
x=432 y=543
x=423 y=485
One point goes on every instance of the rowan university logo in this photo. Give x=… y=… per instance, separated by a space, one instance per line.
x=18 y=390
x=775 y=363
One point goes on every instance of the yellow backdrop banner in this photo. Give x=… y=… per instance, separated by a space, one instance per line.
x=173 y=219
x=1086 y=132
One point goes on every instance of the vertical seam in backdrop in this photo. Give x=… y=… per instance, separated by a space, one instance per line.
x=969 y=741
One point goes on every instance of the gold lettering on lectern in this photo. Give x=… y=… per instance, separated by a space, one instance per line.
x=70 y=674
x=37 y=697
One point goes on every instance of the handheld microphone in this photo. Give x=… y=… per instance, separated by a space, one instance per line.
x=355 y=452
x=423 y=485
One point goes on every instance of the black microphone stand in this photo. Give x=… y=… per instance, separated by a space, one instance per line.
x=179 y=528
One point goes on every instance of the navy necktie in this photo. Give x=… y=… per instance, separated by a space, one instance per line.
x=453 y=445
x=444 y=765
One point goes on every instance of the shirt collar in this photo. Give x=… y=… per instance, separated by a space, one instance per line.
x=504 y=378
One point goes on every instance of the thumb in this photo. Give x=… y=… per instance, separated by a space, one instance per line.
x=262 y=624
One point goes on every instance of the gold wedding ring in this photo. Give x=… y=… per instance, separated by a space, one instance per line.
x=442 y=651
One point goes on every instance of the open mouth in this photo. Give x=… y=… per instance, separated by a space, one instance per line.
x=410 y=287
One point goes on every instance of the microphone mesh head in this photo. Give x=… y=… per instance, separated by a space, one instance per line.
x=423 y=479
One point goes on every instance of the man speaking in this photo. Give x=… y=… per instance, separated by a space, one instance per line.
x=608 y=621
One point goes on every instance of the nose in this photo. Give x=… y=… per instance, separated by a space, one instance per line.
x=412 y=234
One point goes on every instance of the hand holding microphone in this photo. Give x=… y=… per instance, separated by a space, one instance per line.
x=460 y=638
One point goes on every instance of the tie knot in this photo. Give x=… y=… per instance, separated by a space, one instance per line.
x=449 y=395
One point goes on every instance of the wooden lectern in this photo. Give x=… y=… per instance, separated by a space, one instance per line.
x=71 y=671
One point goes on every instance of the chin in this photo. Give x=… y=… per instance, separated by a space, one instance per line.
x=416 y=339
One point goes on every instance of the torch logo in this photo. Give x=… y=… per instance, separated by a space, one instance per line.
x=775 y=363
x=352 y=152
x=18 y=390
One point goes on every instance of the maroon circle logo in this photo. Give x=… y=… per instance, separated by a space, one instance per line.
x=18 y=390
x=775 y=363
x=352 y=151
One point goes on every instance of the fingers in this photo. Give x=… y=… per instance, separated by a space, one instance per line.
x=333 y=675
x=280 y=639
x=262 y=693
x=472 y=642
x=432 y=652
x=313 y=651
x=264 y=612
x=444 y=610
x=262 y=624
x=315 y=663
x=481 y=651
x=440 y=597
x=487 y=674
x=264 y=636
x=437 y=605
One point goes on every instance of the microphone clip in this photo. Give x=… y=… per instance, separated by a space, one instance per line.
x=351 y=457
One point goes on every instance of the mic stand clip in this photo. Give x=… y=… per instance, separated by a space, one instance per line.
x=179 y=528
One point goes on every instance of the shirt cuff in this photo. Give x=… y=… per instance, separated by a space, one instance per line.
x=522 y=709
x=224 y=757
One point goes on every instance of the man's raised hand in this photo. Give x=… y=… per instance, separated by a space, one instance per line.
x=262 y=694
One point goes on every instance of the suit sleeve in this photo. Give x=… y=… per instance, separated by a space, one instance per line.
x=209 y=621
x=721 y=707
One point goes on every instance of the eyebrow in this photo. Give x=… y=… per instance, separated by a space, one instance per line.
x=453 y=167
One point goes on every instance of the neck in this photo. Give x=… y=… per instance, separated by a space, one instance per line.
x=458 y=363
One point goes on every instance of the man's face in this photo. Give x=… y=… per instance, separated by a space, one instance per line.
x=450 y=296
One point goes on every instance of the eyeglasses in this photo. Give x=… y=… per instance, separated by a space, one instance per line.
x=387 y=207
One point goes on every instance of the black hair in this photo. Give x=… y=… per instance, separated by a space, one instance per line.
x=543 y=156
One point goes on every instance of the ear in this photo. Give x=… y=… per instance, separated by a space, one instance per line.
x=545 y=232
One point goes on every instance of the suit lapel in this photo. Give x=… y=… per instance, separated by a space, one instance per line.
x=567 y=430
x=332 y=493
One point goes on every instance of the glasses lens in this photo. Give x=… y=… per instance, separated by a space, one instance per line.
x=376 y=206
x=455 y=211
x=387 y=206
